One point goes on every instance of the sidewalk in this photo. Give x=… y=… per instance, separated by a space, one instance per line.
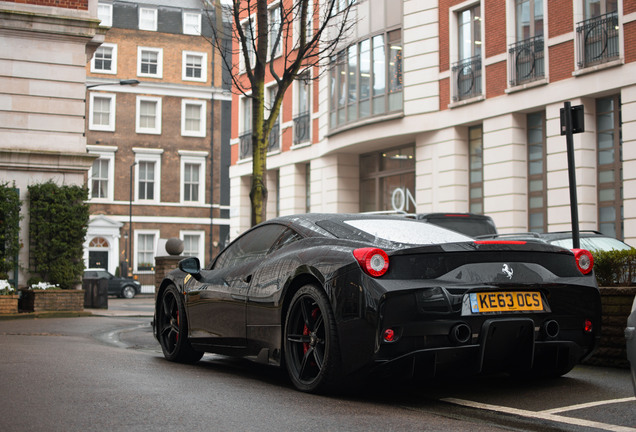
x=142 y=305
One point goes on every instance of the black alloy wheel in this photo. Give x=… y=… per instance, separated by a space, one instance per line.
x=172 y=328
x=312 y=354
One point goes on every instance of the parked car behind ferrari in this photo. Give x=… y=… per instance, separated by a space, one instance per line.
x=118 y=286
x=333 y=296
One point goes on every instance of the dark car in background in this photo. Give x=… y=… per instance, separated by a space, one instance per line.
x=470 y=224
x=337 y=296
x=630 y=339
x=118 y=286
x=590 y=240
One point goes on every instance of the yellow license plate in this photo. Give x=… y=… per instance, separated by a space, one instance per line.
x=505 y=301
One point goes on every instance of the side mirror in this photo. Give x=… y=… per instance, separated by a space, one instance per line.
x=190 y=265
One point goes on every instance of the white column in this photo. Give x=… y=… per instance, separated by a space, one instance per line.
x=292 y=189
x=441 y=169
x=335 y=184
x=505 y=172
x=628 y=114
x=240 y=207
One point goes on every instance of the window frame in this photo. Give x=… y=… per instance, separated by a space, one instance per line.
x=204 y=66
x=248 y=22
x=186 y=26
x=141 y=24
x=201 y=132
x=159 y=52
x=148 y=155
x=111 y=115
x=107 y=153
x=145 y=130
x=201 y=247
x=113 y=69
x=108 y=21
x=274 y=8
x=155 y=236
x=193 y=158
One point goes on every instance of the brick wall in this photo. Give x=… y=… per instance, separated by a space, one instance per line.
x=561 y=61
x=67 y=4
x=494 y=27
x=616 y=305
x=52 y=300
x=560 y=16
x=496 y=79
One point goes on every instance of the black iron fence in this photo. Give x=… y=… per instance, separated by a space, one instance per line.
x=526 y=61
x=597 y=40
x=467 y=78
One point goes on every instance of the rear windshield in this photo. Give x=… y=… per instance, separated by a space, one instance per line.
x=402 y=231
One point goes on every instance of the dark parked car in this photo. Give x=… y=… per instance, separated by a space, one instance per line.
x=471 y=224
x=119 y=286
x=337 y=296
x=589 y=240
x=630 y=338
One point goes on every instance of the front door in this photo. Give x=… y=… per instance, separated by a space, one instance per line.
x=98 y=259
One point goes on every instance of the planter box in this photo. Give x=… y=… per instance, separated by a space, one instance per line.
x=9 y=304
x=52 y=300
x=616 y=303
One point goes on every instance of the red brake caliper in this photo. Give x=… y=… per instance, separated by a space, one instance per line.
x=306 y=331
x=177 y=338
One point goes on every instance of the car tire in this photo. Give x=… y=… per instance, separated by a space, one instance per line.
x=172 y=328
x=128 y=292
x=311 y=349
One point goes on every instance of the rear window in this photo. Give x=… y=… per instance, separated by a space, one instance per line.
x=405 y=231
x=466 y=225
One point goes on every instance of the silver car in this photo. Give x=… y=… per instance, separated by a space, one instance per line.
x=630 y=336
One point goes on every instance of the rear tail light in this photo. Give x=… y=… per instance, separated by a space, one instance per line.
x=374 y=261
x=588 y=326
x=584 y=260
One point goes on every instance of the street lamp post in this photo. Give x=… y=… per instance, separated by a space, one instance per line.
x=128 y=251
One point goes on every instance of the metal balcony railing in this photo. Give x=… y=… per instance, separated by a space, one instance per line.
x=597 y=40
x=301 y=128
x=245 y=145
x=467 y=78
x=526 y=61
x=274 y=138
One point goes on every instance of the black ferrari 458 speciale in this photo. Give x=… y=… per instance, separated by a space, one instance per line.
x=332 y=296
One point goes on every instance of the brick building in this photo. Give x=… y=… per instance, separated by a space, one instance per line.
x=453 y=105
x=162 y=166
x=45 y=45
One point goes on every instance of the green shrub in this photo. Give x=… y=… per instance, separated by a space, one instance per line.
x=9 y=229
x=616 y=267
x=58 y=219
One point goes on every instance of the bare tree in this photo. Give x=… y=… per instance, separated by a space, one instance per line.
x=284 y=39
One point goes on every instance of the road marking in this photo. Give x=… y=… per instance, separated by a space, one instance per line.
x=542 y=415
x=588 y=405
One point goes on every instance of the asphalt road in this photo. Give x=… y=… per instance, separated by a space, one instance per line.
x=106 y=373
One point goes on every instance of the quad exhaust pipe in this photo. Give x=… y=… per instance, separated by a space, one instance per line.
x=460 y=333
